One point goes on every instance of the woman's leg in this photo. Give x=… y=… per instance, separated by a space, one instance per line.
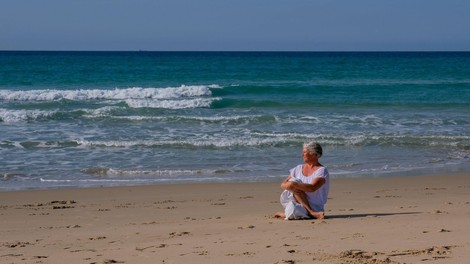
x=301 y=198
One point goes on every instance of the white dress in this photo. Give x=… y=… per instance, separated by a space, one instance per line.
x=316 y=199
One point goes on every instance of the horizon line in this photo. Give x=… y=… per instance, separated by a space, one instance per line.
x=247 y=51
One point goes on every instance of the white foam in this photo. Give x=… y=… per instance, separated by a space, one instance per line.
x=253 y=139
x=166 y=172
x=101 y=112
x=214 y=119
x=197 y=143
x=52 y=180
x=115 y=94
x=13 y=116
x=140 y=118
x=171 y=104
x=153 y=172
x=136 y=180
x=221 y=118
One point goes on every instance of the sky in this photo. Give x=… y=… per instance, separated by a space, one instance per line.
x=235 y=25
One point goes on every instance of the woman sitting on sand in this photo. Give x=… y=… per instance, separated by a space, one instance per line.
x=307 y=185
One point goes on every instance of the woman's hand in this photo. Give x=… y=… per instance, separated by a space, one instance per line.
x=291 y=186
x=285 y=182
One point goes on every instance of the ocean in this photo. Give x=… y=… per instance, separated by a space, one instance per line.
x=90 y=119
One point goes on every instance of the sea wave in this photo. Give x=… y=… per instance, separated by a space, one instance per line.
x=13 y=116
x=133 y=181
x=387 y=82
x=171 y=104
x=166 y=172
x=12 y=176
x=257 y=139
x=236 y=119
x=115 y=94
x=216 y=142
x=115 y=101
x=247 y=138
x=277 y=139
x=299 y=85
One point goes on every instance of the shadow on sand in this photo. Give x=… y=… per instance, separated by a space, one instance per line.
x=367 y=215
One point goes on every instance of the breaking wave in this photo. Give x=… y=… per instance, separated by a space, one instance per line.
x=115 y=94
x=13 y=116
x=37 y=104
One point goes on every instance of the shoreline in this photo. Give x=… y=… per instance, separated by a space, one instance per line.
x=368 y=220
x=458 y=172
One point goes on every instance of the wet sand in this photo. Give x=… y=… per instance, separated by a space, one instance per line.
x=422 y=219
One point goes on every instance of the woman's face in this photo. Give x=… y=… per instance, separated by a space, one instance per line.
x=309 y=157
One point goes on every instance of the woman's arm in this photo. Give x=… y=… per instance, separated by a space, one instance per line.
x=285 y=183
x=305 y=187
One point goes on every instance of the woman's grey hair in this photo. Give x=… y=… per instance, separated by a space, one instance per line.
x=313 y=147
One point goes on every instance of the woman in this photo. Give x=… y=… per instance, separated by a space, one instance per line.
x=308 y=184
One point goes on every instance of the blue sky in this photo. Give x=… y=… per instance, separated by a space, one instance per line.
x=236 y=25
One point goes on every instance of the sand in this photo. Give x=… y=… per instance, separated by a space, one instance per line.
x=422 y=219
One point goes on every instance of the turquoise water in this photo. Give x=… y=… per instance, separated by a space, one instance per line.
x=76 y=119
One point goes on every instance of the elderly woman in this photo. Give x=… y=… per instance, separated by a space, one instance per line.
x=307 y=186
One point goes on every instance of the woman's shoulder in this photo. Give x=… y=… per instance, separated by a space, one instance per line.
x=296 y=169
x=322 y=172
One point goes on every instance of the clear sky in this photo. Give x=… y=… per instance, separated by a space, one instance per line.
x=236 y=25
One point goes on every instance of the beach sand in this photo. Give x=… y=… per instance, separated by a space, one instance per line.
x=422 y=219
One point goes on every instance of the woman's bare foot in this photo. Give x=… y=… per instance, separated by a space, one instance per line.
x=317 y=215
x=280 y=215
